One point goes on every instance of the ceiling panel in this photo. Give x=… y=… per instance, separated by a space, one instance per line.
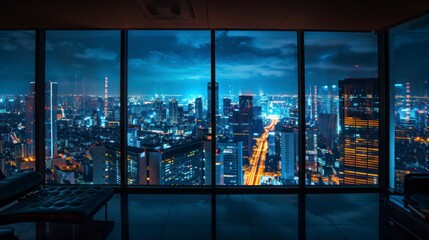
x=360 y=15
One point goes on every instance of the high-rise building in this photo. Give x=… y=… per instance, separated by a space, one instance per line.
x=199 y=108
x=173 y=111
x=359 y=124
x=242 y=125
x=106 y=97
x=209 y=101
x=288 y=153
x=29 y=119
x=232 y=162
x=226 y=107
x=182 y=164
x=160 y=110
x=327 y=128
x=51 y=107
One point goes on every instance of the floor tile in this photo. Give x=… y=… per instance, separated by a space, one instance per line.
x=234 y=232
x=318 y=232
x=231 y=213
x=151 y=197
x=148 y=212
x=189 y=213
x=313 y=215
x=264 y=232
x=193 y=198
x=273 y=212
x=350 y=212
x=229 y=198
x=116 y=233
x=270 y=198
x=138 y=231
x=357 y=232
x=186 y=232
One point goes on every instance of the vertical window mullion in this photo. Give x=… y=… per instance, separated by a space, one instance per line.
x=124 y=108
x=383 y=65
x=301 y=107
x=40 y=100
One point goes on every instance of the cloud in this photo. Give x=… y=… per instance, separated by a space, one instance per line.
x=266 y=39
x=7 y=46
x=196 y=39
x=97 y=54
x=17 y=40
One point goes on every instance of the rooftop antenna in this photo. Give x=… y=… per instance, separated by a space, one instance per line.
x=75 y=77
x=357 y=70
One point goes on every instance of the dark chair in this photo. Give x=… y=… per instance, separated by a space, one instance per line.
x=24 y=199
x=406 y=210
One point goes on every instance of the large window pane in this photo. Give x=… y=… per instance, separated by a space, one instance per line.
x=342 y=108
x=409 y=81
x=82 y=109
x=256 y=108
x=168 y=118
x=17 y=152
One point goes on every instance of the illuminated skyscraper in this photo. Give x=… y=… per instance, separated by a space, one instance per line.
x=226 y=107
x=359 y=124
x=199 y=108
x=232 y=162
x=51 y=105
x=160 y=111
x=242 y=119
x=288 y=152
x=106 y=96
x=178 y=165
x=173 y=111
x=327 y=128
x=29 y=119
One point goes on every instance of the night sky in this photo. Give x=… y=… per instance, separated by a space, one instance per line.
x=178 y=62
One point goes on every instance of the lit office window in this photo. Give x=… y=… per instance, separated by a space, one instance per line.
x=17 y=146
x=256 y=108
x=409 y=102
x=342 y=108
x=82 y=108
x=169 y=108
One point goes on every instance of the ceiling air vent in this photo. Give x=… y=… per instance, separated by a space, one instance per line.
x=167 y=9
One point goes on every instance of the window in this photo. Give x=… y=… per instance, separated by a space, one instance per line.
x=256 y=108
x=82 y=108
x=17 y=145
x=409 y=88
x=342 y=108
x=168 y=108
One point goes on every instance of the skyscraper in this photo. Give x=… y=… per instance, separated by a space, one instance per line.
x=242 y=119
x=359 y=124
x=160 y=111
x=226 y=107
x=106 y=96
x=29 y=119
x=51 y=105
x=181 y=164
x=199 y=108
x=327 y=127
x=173 y=111
x=288 y=153
x=232 y=162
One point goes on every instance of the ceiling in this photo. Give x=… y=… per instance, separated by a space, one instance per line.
x=357 y=15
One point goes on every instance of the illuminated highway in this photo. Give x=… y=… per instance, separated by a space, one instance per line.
x=257 y=161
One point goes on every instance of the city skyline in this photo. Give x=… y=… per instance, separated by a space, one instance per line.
x=169 y=97
x=262 y=56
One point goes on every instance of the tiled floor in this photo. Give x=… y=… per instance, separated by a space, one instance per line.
x=268 y=216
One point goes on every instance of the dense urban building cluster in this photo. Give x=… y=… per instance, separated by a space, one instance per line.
x=170 y=131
